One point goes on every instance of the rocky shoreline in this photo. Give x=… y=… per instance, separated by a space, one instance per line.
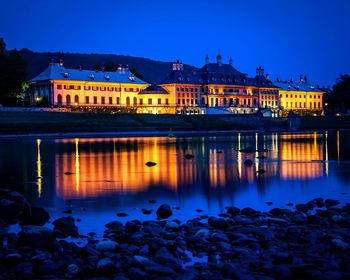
x=309 y=242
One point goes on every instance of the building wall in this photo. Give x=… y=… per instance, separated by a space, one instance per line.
x=67 y=93
x=301 y=100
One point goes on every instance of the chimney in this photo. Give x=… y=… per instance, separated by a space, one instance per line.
x=178 y=66
x=260 y=71
x=230 y=61
x=218 y=59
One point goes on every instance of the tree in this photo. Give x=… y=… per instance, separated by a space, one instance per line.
x=339 y=98
x=12 y=76
x=110 y=66
x=2 y=46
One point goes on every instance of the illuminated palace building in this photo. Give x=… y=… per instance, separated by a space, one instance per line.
x=216 y=88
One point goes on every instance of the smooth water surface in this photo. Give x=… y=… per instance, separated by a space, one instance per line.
x=109 y=175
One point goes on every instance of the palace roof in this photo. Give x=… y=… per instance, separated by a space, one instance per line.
x=55 y=71
x=154 y=89
x=302 y=85
x=216 y=73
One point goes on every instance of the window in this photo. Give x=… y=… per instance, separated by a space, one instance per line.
x=149 y=101
x=68 y=99
x=71 y=86
x=118 y=100
x=141 y=101
x=59 y=99
x=102 y=100
x=94 y=88
x=118 y=89
x=87 y=101
x=110 y=100
x=186 y=89
x=78 y=87
x=102 y=88
x=159 y=101
x=76 y=99
x=191 y=89
x=135 y=101
x=177 y=89
x=166 y=101
x=59 y=86
x=95 y=99
x=128 y=101
x=183 y=101
x=87 y=87
x=178 y=101
x=110 y=88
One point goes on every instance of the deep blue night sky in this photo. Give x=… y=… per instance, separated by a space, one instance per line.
x=287 y=37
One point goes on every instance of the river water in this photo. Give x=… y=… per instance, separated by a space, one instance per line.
x=108 y=175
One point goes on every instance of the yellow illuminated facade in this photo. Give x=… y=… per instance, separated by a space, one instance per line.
x=301 y=97
x=216 y=88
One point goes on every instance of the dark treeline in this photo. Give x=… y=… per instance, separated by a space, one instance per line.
x=12 y=76
x=338 y=100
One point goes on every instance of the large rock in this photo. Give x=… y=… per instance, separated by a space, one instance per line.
x=66 y=227
x=153 y=267
x=12 y=205
x=35 y=236
x=217 y=223
x=232 y=210
x=164 y=211
x=107 y=245
x=37 y=216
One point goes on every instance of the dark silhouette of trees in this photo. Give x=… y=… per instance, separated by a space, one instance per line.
x=12 y=76
x=339 y=98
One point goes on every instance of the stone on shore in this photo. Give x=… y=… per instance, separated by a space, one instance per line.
x=164 y=211
x=35 y=236
x=65 y=227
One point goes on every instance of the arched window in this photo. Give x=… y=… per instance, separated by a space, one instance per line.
x=135 y=101
x=128 y=101
x=76 y=99
x=59 y=99
x=68 y=100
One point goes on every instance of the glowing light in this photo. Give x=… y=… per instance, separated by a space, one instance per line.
x=38 y=167
x=326 y=147
x=239 y=157
x=338 y=145
x=77 y=165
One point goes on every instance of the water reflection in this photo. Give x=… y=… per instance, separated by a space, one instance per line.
x=103 y=166
x=300 y=164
